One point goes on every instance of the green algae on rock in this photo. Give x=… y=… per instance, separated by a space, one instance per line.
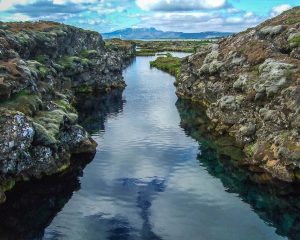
x=249 y=84
x=43 y=65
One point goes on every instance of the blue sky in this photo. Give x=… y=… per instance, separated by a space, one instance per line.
x=167 y=15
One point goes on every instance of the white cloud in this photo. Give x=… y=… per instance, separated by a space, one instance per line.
x=248 y=14
x=59 y=17
x=179 y=5
x=107 y=9
x=8 y=4
x=19 y=17
x=280 y=9
x=234 y=20
x=92 y=21
x=62 y=2
x=233 y=10
x=199 y=21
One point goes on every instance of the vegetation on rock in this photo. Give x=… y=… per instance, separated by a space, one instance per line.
x=168 y=64
x=43 y=65
x=24 y=101
x=250 y=85
x=150 y=48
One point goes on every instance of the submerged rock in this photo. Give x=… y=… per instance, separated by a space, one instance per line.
x=249 y=84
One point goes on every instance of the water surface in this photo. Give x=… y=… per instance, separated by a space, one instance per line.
x=155 y=177
x=146 y=182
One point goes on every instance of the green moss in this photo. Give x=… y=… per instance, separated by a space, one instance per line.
x=43 y=70
x=291 y=21
x=23 y=38
x=24 y=101
x=84 y=88
x=42 y=136
x=63 y=167
x=41 y=58
x=293 y=16
x=249 y=149
x=65 y=105
x=39 y=67
x=295 y=41
x=7 y=185
x=69 y=62
x=73 y=117
x=87 y=53
x=297 y=174
x=41 y=36
x=168 y=64
x=51 y=121
x=59 y=32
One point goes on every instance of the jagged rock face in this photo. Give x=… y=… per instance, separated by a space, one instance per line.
x=250 y=85
x=47 y=38
x=16 y=137
x=42 y=66
x=53 y=53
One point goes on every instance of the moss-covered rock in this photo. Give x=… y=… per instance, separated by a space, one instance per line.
x=294 y=40
x=86 y=54
x=42 y=66
x=250 y=149
x=42 y=136
x=53 y=120
x=70 y=62
x=249 y=84
x=41 y=58
x=25 y=102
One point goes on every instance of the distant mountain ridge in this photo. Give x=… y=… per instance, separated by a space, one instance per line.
x=153 y=33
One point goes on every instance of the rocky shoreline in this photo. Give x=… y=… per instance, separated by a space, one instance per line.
x=250 y=87
x=43 y=66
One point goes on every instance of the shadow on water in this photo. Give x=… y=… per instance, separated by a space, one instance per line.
x=95 y=108
x=31 y=206
x=278 y=205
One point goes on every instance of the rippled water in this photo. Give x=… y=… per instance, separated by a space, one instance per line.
x=155 y=176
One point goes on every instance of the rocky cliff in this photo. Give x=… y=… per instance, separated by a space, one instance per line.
x=250 y=86
x=42 y=67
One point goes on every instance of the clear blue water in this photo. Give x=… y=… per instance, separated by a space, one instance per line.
x=146 y=182
x=154 y=176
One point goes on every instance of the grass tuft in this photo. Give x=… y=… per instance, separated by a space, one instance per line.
x=169 y=64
